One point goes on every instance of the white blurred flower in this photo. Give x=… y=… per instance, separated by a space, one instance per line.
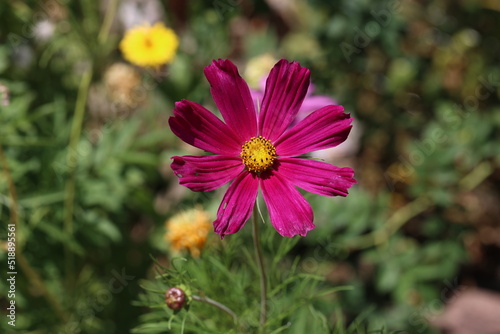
x=44 y=30
x=132 y=13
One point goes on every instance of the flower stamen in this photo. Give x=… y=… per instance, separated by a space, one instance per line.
x=258 y=154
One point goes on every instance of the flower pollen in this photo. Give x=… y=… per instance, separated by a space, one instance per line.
x=258 y=154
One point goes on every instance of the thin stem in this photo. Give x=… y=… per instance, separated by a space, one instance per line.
x=76 y=130
x=393 y=224
x=476 y=176
x=108 y=20
x=262 y=270
x=218 y=305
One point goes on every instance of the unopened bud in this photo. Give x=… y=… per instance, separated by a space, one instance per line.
x=175 y=298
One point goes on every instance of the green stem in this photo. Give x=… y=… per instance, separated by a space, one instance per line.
x=218 y=305
x=476 y=176
x=394 y=223
x=262 y=270
x=76 y=130
x=108 y=20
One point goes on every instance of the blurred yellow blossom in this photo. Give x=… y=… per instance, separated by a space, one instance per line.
x=149 y=45
x=188 y=230
x=258 y=68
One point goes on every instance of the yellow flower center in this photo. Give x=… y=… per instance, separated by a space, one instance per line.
x=148 y=43
x=258 y=154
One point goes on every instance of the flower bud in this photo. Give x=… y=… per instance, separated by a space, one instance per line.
x=175 y=298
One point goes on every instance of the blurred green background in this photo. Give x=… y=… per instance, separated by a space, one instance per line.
x=85 y=156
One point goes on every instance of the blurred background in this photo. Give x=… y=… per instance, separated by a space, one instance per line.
x=85 y=152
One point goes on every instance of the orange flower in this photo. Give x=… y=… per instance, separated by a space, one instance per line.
x=188 y=230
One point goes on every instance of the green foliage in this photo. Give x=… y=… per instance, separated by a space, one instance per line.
x=227 y=275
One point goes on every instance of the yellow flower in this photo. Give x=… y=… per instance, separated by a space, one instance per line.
x=188 y=230
x=258 y=68
x=149 y=45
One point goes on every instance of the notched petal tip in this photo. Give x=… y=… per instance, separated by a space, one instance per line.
x=176 y=165
x=205 y=173
x=179 y=105
x=224 y=65
x=347 y=175
x=292 y=64
x=316 y=176
x=290 y=233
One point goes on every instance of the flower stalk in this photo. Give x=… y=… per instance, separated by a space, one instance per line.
x=262 y=270
x=72 y=161
x=220 y=306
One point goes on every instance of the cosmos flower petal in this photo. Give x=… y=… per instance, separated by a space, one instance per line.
x=232 y=96
x=237 y=204
x=316 y=176
x=207 y=172
x=324 y=128
x=289 y=211
x=197 y=126
x=286 y=88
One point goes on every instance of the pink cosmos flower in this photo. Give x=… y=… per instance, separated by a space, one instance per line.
x=259 y=150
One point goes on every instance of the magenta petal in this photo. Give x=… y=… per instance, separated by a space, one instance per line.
x=207 y=172
x=289 y=211
x=232 y=96
x=197 y=126
x=237 y=204
x=286 y=88
x=316 y=176
x=324 y=128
